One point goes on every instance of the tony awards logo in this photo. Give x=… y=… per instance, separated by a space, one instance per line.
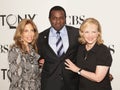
x=12 y=20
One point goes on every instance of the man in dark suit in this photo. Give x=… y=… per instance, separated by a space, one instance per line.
x=54 y=75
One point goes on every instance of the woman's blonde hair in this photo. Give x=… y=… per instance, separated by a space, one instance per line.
x=85 y=24
x=19 y=32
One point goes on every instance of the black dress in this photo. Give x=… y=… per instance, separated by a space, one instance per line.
x=88 y=60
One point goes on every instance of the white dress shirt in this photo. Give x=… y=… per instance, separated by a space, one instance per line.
x=53 y=39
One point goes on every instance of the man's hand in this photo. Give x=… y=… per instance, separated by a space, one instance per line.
x=41 y=62
x=110 y=77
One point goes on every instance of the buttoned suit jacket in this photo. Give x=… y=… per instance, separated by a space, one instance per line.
x=54 y=75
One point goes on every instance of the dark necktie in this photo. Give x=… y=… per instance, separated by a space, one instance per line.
x=59 y=44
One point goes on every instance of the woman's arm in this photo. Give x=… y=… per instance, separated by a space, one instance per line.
x=98 y=76
x=14 y=60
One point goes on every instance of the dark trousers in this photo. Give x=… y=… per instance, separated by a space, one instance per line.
x=52 y=85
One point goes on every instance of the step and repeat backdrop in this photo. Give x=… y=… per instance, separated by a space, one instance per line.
x=106 y=11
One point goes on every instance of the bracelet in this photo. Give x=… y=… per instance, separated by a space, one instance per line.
x=79 y=72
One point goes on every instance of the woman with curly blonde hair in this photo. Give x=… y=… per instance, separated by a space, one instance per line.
x=93 y=58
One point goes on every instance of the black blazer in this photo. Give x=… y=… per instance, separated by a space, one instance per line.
x=54 y=75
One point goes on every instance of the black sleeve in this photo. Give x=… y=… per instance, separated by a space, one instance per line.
x=39 y=45
x=104 y=57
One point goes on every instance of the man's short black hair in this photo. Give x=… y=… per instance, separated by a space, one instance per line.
x=57 y=8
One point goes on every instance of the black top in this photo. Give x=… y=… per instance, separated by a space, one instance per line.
x=88 y=60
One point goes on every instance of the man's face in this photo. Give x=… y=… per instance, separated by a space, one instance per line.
x=57 y=19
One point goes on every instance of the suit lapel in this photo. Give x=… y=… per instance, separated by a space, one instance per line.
x=46 y=43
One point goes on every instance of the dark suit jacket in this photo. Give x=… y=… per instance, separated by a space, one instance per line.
x=54 y=75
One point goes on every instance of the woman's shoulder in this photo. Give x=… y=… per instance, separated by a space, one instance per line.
x=14 y=48
x=103 y=47
x=13 y=53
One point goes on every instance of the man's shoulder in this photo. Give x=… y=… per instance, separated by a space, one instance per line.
x=44 y=31
x=71 y=27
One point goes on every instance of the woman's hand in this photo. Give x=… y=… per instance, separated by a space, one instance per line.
x=71 y=66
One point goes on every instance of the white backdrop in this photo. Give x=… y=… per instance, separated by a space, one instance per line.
x=106 y=11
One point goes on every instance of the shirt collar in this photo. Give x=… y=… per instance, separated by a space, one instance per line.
x=94 y=49
x=63 y=31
